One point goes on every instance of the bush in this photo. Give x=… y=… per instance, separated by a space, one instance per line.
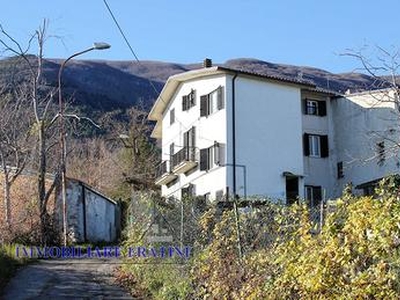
x=165 y=280
x=354 y=255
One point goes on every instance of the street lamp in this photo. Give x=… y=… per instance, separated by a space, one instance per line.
x=96 y=46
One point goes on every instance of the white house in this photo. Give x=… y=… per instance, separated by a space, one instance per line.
x=367 y=137
x=231 y=132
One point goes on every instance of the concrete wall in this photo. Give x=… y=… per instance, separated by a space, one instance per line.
x=92 y=217
x=268 y=136
x=319 y=171
x=361 y=121
x=208 y=129
x=100 y=218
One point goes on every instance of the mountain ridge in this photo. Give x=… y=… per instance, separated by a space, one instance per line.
x=105 y=85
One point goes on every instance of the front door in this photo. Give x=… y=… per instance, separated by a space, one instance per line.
x=292 y=189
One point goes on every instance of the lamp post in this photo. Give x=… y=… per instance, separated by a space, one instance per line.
x=96 y=46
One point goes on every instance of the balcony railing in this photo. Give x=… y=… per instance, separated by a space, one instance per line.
x=164 y=174
x=184 y=160
x=161 y=169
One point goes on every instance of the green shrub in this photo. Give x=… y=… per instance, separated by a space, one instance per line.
x=162 y=280
x=354 y=255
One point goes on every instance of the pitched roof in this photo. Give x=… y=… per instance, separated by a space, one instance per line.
x=174 y=81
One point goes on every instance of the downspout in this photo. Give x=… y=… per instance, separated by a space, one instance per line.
x=237 y=223
x=234 y=135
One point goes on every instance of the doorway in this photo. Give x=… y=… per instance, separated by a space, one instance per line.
x=292 y=189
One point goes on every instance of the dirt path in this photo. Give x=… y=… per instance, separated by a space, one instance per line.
x=66 y=279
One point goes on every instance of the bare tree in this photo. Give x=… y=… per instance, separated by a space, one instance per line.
x=95 y=161
x=14 y=142
x=40 y=97
x=382 y=65
x=379 y=63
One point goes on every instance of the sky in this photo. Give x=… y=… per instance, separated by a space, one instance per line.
x=298 y=32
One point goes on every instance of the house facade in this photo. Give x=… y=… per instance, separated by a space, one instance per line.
x=227 y=132
x=367 y=138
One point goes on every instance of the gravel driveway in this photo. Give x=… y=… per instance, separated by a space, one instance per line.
x=66 y=279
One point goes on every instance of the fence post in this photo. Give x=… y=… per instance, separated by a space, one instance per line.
x=321 y=211
x=182 y=219
x=239 y=241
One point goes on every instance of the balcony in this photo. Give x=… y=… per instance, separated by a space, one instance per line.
x=163 y=174
x=184 y=160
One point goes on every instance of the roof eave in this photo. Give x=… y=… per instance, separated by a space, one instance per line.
x=173 y=82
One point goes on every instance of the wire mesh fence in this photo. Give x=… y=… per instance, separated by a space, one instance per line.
x=153 y=221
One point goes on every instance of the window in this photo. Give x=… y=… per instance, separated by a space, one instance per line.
x=380 y=149
x=340 y=173
x=189 y=143
x=189 y=138
x=219 y=154
x=369 y=190
x=212 y=156
x=207 y=197
x=205 y=158
x=188 y=191
x=211 y=102
x=314 y=107
x=315 y=145
x=313 y=195
x=189 y=100
x=219 y=195
x=314 y=141
x=171 y=151
x=172 y=116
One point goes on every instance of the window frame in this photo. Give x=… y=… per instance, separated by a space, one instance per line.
x=309 y=147
x=172 y=116
x=311 y=198
x=219 y=195
x=314 y=145
x=210 y=104
x=189 y=100
x=213 y=156
x=312 y=107
x=189 y=142
x=188 y=191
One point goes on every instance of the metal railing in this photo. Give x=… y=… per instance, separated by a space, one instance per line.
x=162 y=169
x=185 y=154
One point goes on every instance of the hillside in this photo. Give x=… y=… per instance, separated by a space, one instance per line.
x=96 y=85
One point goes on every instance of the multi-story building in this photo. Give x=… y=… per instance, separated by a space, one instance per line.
x=231 y=132
x=367 y=140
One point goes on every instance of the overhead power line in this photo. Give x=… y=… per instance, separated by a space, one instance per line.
x=137 y=58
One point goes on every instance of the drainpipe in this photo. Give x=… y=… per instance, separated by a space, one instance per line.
x=234 y=135
x=239 y=241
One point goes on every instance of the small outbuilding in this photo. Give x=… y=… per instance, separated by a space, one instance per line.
x=92 y=217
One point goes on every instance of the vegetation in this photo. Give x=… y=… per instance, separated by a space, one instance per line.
x=30 y=145
x=280 y=253
x=355 y=255
x=9 y=262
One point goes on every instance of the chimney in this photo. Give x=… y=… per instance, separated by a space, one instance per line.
x=207 y=63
